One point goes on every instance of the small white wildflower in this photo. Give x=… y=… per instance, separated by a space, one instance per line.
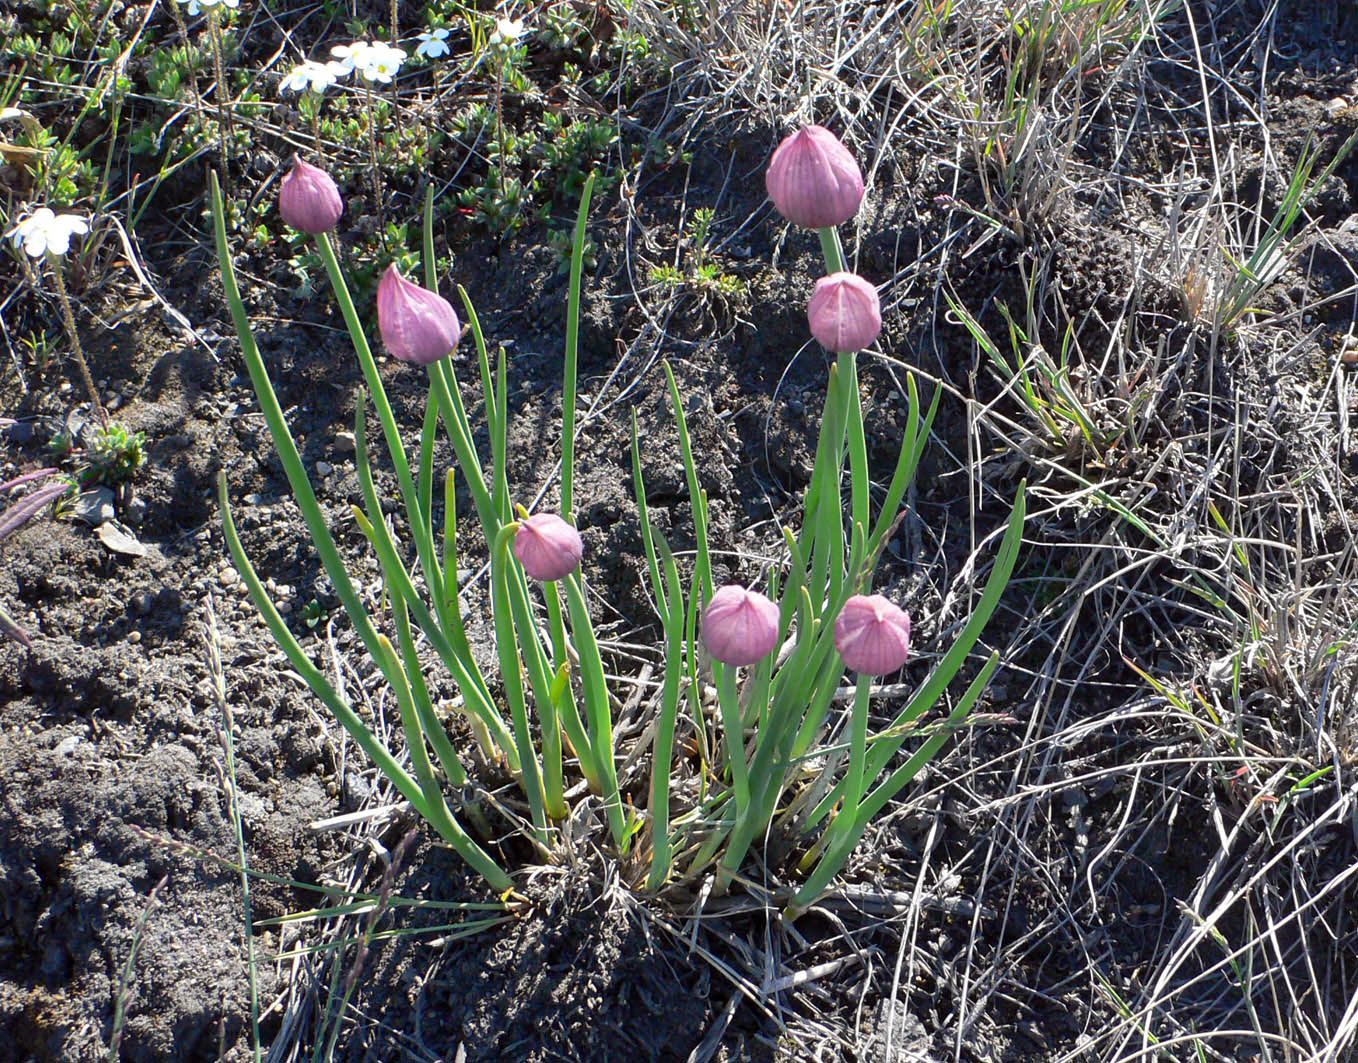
x=507 y=31
x=373 y=60
x=433 y=44
x=349 y=56
x=309 y=74
x=196 y=6
x=44 y=232
x=381 y=63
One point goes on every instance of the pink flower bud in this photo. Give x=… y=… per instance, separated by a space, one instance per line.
x=740 y=627
x=844 y=312
x=417 y=325
x=813 y=180
x=309 y=200
x=547 y=547
x=872 y=635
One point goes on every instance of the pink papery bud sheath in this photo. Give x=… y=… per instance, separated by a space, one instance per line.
x=417 y=325
x=309 y=200
x=547 y=547
x=844 y=312
x=813 y=180
x=872 y=635
x=740 y=627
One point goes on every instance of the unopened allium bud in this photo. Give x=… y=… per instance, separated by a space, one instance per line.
x=872 y=635
x=417 y=325
x=844 y=312
x=813 y=180
x=309 y=200
x=740 y=627
x=547 y=547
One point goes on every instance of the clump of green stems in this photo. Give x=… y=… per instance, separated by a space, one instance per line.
x=1227 y=300
x=771 y=763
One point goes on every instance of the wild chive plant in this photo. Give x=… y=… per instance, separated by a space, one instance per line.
x=775 y=656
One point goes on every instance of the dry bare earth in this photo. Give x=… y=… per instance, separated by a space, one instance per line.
x=1115 y=867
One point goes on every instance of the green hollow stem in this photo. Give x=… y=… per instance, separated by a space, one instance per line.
x=858 y=746
x=732 y=724
x=842 y=840
x=424 y=704
x=540 y=679
x=458 y=658
x=568 y=386
x=697 y=496
x=441 y=818
x=597 y=707
x=426 y=477
x=883 y=750
x=512 y=678
x=834 y=254
x=567 y=710
x=379 y=754
x=334 y=568
x=408 y=786
x=648 y=536
x=284 y=443
x=662 y=848
x=859 y=485
x=418 y=519
x=455 y=421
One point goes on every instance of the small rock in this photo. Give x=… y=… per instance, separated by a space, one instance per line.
x=324 y=469
x=1337 y=106
x=134 y=637
x=119 y=538
x=345 y=442
x=142 y=603
x=95 y=506
x=67 y=746
x=135 y=510
x=228 y=577
x=21 y=433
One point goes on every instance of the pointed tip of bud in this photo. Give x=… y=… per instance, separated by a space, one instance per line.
x=308 y=199
x=547 y=547
x=872 y=635
x=844 y=312
x=813 y=180
x=417 y=325
x=740 y=626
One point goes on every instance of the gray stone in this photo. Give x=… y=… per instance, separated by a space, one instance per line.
x=95 y=506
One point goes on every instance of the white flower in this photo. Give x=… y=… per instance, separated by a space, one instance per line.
x=46 y=233
x=312 y=75
x=383 y=63
x=507 y=31
x=373 y=60
x=195 y=6
x=433 y=43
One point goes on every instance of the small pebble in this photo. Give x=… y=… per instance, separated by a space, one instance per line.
x=324 y=469
x=135 y=511
x=134 y=637
x=228 y=577
x=142 y=603
x=345 y=442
